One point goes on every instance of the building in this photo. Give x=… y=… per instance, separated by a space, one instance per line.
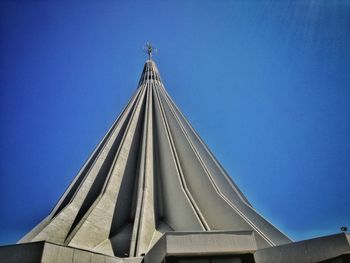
x=153 y=192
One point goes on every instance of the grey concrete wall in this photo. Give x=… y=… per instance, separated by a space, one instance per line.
x=202 y=243
x=313 y=250
x=29 y=253
x=150 y=170
x=44 y=252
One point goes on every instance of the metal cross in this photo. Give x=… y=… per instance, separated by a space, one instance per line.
x=149 y=49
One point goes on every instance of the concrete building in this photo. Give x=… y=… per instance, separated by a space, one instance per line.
x=153 y=192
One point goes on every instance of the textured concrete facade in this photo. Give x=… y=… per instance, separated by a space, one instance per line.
x=199 y=246
x=152 y=189
x=312 y=250
x=202 y=243
x=46 y=252
x=150 y=174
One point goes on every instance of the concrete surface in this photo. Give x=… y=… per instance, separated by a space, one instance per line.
x=306 y=251
x=150 y=174
x=202 y=243
x=45 y=252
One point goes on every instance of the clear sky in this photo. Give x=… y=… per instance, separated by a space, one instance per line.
x=265 y=83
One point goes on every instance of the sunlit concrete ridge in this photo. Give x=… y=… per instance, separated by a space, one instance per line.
x=152 y=191
x=150 y=174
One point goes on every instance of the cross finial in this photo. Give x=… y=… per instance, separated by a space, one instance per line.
x=149 y=49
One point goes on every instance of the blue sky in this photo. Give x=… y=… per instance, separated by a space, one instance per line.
x=265 y=84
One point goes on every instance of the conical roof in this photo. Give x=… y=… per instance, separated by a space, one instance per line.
x=150 y=174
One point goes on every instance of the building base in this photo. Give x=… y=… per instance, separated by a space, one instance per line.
x=196 y=247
